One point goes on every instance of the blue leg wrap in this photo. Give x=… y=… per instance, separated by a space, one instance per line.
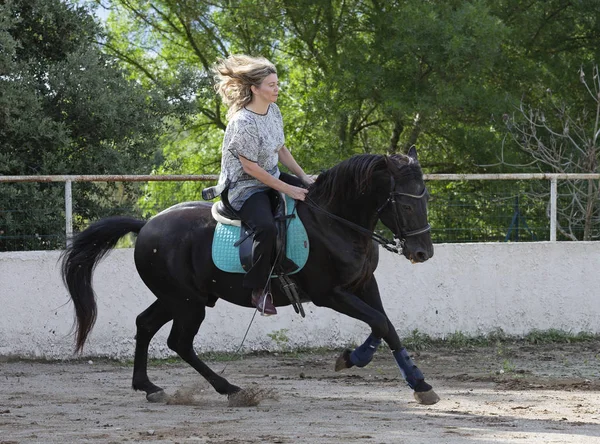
x=409 y=370
x=362 y=355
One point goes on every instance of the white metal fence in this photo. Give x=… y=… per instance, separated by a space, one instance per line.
x=69 y=179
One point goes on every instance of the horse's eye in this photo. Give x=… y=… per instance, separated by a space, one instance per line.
x=406 y=208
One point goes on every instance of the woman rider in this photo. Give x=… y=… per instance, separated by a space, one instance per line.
x=252 y=148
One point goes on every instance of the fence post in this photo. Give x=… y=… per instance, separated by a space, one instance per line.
x=553 y=198
x=68 y=212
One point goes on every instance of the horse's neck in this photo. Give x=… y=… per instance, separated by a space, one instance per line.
x=350 y=251
x=360 y=212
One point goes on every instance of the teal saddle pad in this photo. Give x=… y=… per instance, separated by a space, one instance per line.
x=226 y=256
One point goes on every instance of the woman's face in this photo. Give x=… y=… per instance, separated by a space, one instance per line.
x=268 y=90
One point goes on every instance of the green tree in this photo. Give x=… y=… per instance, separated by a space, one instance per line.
x=361 y=76
x=373 y=76
x=393 y=74
x=65 y=108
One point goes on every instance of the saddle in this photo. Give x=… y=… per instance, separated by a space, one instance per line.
x=233 y=241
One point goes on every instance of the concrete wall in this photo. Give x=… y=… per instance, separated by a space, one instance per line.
x=472 y=288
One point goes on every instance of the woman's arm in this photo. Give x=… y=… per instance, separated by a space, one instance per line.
x=254 y=170
x=286 y=158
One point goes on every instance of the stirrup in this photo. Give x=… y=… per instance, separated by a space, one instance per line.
x=264 y=303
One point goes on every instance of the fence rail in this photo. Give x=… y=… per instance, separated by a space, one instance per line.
x=109 y=178
x=553 y=178
x=69 y=179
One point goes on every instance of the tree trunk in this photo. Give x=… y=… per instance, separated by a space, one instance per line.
x=414 y=134
x=398 y=128
x=343 y=131
x=589 y=211
x=591 y=195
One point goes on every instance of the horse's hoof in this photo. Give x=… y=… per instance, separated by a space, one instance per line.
x=427 y=398
x=343 y=360
x=157 y=397
x=233 y=390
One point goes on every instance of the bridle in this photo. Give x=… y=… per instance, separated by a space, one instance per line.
x=392 y=200
x=395 y=247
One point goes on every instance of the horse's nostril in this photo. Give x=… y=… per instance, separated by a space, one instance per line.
x=421 y=256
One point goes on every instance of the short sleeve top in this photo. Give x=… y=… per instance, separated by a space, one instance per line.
x=256 y=137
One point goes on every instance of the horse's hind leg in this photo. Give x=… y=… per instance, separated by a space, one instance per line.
x=181 y=340
x=148 y=323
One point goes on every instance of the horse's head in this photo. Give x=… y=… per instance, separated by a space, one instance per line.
x=403 y=207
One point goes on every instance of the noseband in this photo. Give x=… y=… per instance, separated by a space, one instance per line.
x=392 y=200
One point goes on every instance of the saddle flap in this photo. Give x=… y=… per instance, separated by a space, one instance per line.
x=245 y=244
x=279 y=205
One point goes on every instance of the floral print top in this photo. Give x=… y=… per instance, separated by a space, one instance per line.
x=256 y=137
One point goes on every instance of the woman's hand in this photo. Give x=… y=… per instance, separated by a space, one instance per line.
x=296 y=192
x=286 y=158
x=307 y=180
x=254 y=170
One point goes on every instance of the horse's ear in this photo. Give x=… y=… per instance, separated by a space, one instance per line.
x=412 y=153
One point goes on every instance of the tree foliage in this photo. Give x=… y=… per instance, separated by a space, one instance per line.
x=365 y=76
x=368 y=76
x=374 y=76
x=65 y=108
x=357 y=76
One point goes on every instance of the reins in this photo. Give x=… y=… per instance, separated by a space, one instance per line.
x=386 y=243
x=381 y=240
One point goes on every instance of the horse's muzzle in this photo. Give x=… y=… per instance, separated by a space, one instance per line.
x=419 y=255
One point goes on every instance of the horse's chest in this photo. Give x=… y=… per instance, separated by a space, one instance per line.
x=349 y=264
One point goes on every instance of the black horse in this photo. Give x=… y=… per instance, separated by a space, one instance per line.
x=173 y=258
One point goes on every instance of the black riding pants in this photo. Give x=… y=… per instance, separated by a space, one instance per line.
x=256 y=212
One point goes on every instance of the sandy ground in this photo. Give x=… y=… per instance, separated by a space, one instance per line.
x=507 y=393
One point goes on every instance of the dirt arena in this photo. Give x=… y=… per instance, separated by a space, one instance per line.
x=507 y=393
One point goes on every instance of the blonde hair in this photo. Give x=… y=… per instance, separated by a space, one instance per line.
x=235 y=75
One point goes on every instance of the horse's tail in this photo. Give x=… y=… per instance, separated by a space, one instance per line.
x=79 y=261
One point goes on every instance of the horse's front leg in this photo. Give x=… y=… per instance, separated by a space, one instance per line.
x=368 y=308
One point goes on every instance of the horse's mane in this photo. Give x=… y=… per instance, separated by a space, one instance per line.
x=353 y=180
x=354 y=177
